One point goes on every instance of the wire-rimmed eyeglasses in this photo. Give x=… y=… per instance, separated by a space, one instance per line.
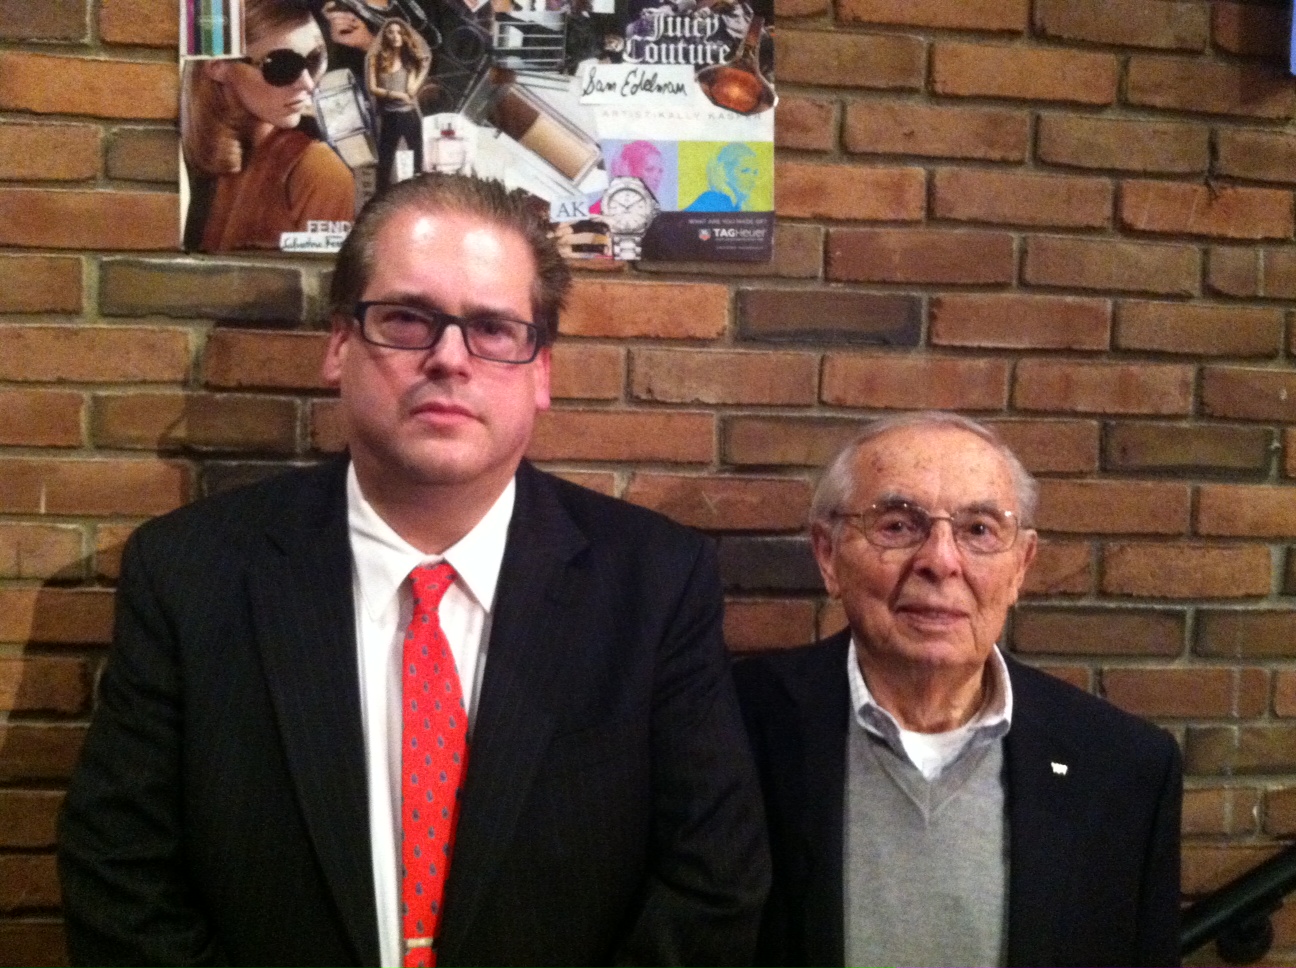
x=899 y=524
x=488 y=337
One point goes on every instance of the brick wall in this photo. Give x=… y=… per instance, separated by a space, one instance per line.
x=1071 y=218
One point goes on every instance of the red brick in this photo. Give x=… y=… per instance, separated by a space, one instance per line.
x=1011 y=321
x=1221 y=810
x=1209 y=87
x=680 y=310
x=88 y=219
x=799 y=8
x=1151 y=146
x=1233 y=271
x=1130 y=23
x=905 y=128
x=1028 y=73
x=1101 y=264
x=49 y=152
x=756 y=625
x=40 y=284
x=248 y=359
x=1061 y=568
x=914 y=382
x=1278 y=273
x=1261 y=155
x=152 y=23
x=1289 y=452
x=57 y=616
x=1088 y=631
x=195 y=421
x=1201 y=330
x=100 y=354
x=82 y=85
x=888 y=61
x=328 y=433
x=601 y=481
x=40 y=418
x=999 y=15
x=693 y=376
x=1207 y=868
x=95 y=487
x=1249 y=634
x=1114 y=507
x=1250 y=29
x=1010 y=198
x=44 y=684
x=33 y=942
x=725 y=503
x=30 y=751
x=1191 y=693
x=109 y=540
x=920 y=255
x=1144 y=446
x=786 y=441
x=28 y=882
x=1103 y=387
x=586 y=371
x=1249 y=394
x=850 y=192
x=1241 y=750
x=48 y=20
x=143 y=154
x=832 y=619
x=1280 y=809
x=40 y=551
x=1248 y=511
x=805 y=122
x=28 y=817
x=674 y=437
x=1186 y=570
x=1051 y=446
x=1182 y=209
x=827 y=316
x=1285 y=694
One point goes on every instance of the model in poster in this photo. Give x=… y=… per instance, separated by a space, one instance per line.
x=254 y=173
x=397 y=66
x=731 y=177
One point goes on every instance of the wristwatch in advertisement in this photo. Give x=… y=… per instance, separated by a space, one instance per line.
x=628 y=208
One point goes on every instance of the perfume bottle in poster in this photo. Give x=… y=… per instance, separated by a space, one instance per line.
x=645 y=127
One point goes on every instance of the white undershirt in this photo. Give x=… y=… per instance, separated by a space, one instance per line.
x=931 y=753
x=382 y=562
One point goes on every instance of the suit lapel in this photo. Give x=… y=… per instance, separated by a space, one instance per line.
x=1041 y=829
x=303 y=612
x=515 y=716
x=823 y=702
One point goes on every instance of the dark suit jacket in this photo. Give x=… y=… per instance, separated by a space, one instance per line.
x=219 y=813
x=1093 y=852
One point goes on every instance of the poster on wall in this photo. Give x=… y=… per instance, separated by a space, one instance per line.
x=643 y=128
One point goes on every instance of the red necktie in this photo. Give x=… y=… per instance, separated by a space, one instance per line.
x=434 y=754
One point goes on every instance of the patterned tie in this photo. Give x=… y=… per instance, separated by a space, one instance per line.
x=434 y=754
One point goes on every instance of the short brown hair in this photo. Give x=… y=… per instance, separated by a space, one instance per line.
x=487 y=199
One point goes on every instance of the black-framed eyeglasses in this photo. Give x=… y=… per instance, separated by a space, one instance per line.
x=899 y=524
x=488 y=337
x=282 y=66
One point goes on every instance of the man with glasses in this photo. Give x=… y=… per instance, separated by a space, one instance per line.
x=426 y=704
x=931 y=801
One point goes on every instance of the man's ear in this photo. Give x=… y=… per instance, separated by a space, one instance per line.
x=825 y=552
x=338 y=346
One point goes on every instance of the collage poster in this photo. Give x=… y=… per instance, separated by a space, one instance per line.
x=645 y=128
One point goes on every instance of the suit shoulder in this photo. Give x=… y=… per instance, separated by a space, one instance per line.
x=789 y=670
x=1100 y=724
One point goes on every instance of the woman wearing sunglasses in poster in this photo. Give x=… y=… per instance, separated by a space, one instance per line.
x=255 y=169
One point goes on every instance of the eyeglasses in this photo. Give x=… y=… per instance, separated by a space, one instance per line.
x=282 y=67
x=489 y=337
x=899 y=524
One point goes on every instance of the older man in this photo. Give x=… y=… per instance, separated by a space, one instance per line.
x=932 y=801
x=424 y=704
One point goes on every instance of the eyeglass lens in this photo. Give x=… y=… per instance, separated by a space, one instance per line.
x=283 y=66
x=489 y=337
x=980 y=530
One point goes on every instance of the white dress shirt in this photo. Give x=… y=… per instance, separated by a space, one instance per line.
x=383 y=605
x=931 y=753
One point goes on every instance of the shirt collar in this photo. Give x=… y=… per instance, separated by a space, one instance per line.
x=383 y=559
x=990 y=723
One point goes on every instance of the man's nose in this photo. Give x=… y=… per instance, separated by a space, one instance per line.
x=939 y=553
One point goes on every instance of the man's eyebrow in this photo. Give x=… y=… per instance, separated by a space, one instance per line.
x=419 y=301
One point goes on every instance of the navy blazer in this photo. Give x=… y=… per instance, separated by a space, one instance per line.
x=1093 y=873
x=220 y=810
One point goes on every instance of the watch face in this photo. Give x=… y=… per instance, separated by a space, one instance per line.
x=629 y=202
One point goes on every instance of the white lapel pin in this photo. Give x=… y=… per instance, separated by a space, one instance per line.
x=1059 y=768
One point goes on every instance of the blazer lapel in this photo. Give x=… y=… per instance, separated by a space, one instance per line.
x=1040 y=830
x=515 y=717
x=304 y=615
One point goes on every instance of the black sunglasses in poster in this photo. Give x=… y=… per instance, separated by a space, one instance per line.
x=282 y=67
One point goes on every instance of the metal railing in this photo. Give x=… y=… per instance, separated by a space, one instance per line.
x=1237 y=916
